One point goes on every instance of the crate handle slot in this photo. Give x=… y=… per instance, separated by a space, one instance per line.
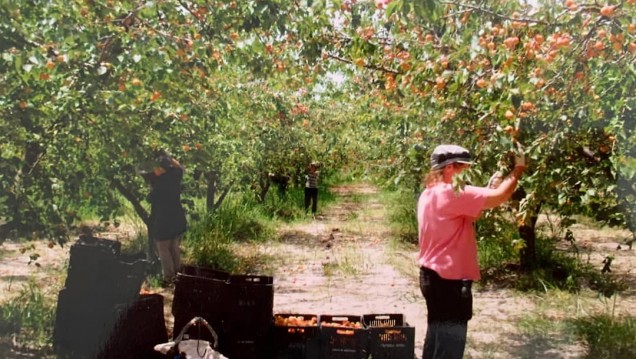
x=339 y=319
x=345 y=331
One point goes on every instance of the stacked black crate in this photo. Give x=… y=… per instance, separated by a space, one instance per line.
x=247 y=317
x=99 y=280
x=199 y=292
x=140 y=327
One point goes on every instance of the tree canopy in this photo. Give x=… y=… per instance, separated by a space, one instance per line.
x=241 y=89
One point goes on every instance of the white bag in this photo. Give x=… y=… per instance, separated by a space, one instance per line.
x=193 y=348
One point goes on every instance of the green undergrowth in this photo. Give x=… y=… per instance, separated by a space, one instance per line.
x=607 y=336
x=29 y=316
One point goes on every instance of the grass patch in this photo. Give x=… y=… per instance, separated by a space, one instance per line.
x=607 y=336
x=402 y=216
x=347 y=263
x=30 y=316
x=562 y=318
x=209 y=240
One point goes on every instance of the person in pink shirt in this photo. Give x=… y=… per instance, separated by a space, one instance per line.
x=448 y=248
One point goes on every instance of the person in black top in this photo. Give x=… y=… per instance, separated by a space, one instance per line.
x=167 y=217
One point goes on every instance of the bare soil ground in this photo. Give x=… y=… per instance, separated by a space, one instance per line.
x=343 y=262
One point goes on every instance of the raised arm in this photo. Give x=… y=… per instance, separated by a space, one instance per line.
x=504 y=191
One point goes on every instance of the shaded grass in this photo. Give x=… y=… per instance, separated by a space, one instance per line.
x=30 y=316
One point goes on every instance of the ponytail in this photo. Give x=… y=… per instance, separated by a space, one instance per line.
x=434 y=177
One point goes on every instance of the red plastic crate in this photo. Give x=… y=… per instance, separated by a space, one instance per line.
x=342 y=342
x=389 y=336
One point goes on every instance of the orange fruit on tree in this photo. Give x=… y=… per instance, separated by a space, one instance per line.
x=602 y=33
x=527 y=106
x=599 y=45
x=608 y=10
x=440 y=83
x=509 y=115
x=481 y=83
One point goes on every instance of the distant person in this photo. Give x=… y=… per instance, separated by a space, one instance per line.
x=167 y=216
x=311 y=188
x=447 y=246
x=281 y=181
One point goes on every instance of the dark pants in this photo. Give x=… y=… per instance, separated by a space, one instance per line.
x=449 y=304
x=311 y=197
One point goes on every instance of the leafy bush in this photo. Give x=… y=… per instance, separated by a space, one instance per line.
x=208 y=240
x=607 y=336
x=402 y=214
x=287 y=206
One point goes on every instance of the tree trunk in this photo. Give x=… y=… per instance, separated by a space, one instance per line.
x=528 y=255
x=213 y=181
x=212 y=178
x=141 y=212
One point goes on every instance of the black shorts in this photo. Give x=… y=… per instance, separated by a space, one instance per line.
x=446 y=299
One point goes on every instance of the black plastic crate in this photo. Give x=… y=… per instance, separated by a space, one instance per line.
x=140 y=327
x=195 y=293
x=83 y=324
x=389 y=336
x=248 y=346
x=292 y=339
x=205 y=272
x=98 y=269
x=249 y=303
x=91 y=261
x=198 y=296
x=342 y=337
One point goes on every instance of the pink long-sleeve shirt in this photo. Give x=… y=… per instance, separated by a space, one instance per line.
x=446 y=230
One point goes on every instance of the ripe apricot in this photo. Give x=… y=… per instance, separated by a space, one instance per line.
x=608 y=10
x=527 y=106
x=440 y=83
